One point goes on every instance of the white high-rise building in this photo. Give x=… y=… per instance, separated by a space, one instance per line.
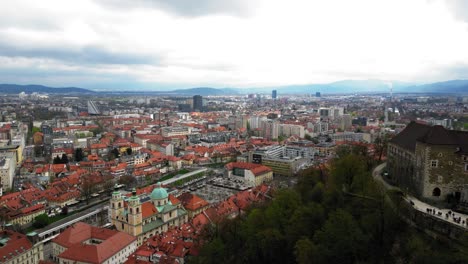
x=7 y=171
x=255 y=121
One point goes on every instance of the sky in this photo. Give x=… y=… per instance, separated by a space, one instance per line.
x=168 y=44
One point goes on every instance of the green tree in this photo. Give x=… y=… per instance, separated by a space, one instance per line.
x=57 y=160
x=341 y=240
x=79 y=154
x=35 y=129
x=213 y=252
x=64 y=159
x=41 y=221
x=304 y=250
x=345 y=169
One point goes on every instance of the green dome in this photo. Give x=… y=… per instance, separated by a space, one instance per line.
x=159 y=193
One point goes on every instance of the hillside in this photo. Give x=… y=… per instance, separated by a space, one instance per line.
x=15 y=89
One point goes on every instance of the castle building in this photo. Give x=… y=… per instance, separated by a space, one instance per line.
x=143 y=217
x=430 y=162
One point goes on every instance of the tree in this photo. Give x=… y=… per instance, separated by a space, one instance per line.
x=304 y=250
x=57 y=160
x=317 y=193
x=127 y=180
x=129 y=151
x=87 y=188
x=381 y=144
x=41 y=221
x=97 y=130
x=108 y=184
x=65 y=210
x=79 y=154
x=35 y=129
x=341 y=240
x=213 y=251
x=345 y=169
x=64 y=159
x=114 y=154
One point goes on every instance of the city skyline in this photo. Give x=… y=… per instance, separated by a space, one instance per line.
x=162 y=46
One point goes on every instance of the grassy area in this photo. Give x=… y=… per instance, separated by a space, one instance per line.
x=216 y=165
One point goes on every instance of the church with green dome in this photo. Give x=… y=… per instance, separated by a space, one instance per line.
x=146 y=215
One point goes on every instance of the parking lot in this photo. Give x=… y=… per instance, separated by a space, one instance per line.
x=214 y=194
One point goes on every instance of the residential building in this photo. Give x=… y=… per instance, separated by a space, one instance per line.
x=270 y=129
x=287 y=130
x=193 y=203
x=284 y=166
x=16 y=248
x=255 y=174
x=7 y=171
x=176 y=131
x=83 y=243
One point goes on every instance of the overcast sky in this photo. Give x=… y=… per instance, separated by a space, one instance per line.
x=163 y=44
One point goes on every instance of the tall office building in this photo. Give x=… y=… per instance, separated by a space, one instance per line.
x=317 y=94
x=273 y=94
x=198 y=103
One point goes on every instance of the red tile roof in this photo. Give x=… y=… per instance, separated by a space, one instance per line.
x=73 y=239
x=192 y=202
x=16 y=245
x=148 y=209
x=256 y=169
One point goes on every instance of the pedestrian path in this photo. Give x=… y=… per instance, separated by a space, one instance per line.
x=446 y=215
x=443 y=214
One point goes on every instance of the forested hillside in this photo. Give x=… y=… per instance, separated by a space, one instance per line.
x=335 y=216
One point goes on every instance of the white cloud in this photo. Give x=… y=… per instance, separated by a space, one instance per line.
x=273 y=43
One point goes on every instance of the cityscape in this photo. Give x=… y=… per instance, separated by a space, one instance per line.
x=119 y=147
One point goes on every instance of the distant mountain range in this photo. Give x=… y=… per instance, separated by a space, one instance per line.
x=345 y=86
x=453 y=86
x=15 y=88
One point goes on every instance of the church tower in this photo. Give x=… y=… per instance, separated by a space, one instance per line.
x=134 y=214
x=117 y=205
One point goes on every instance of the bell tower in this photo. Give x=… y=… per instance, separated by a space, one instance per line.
x=134 y=214
x=117 y=204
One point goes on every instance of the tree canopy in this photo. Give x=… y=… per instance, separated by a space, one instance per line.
x=341 y=218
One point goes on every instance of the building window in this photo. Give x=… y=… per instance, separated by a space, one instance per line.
x=434 y=163
x=466 y=167
x=436 y=192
